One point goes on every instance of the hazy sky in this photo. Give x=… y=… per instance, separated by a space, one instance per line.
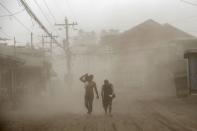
x=97 y=15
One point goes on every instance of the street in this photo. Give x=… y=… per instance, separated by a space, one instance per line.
x=160 y=115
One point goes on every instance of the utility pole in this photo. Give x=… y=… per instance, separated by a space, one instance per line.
x=51 y=43
x=14 y=46
x=66 y=44
x=31 y=40
x=14 y=42
x=52 y=37
x=67 y=25
x=42 y=41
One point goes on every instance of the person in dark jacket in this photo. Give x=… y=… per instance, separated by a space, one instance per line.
x=108 y=95
x=90 y=87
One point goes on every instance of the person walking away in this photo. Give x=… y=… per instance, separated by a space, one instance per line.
x=108 y=95
x=90 y=87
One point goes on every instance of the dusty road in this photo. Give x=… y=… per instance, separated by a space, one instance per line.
x=150 y=115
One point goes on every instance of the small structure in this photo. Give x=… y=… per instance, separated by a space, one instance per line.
x=8 y=68
x=22 y=71
x=191 y=56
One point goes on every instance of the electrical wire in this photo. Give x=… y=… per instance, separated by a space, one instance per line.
x=183 y=19
x=19 y=21
x=35 y=1
x=32 y=15
x=4 y=33
x=49 y=10
x=41 y=10
x=68 y=4
x=58 y=7
x=45 y=16
x=16 y=13
x=188 y=2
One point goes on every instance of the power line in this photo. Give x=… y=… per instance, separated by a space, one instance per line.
x=49 y=10
x=58 y=7
x=42 y=11
x=183 y=19
x=35 y=1
x=45 y=15
x=31 y=13
x=68 y=4
x=188 y=2
x=16 y=13
x=4 y=33
x=15 y=17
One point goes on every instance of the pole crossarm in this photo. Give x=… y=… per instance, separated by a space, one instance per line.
x=59 y=24
x=66 y=26
x=55 y=36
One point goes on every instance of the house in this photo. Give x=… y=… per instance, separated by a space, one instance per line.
x=146 y=34
x=8 y=68
x=191 y=56
x=23 y=71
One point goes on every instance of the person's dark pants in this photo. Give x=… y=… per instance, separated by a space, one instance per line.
x=107 y=104
x=88 y=103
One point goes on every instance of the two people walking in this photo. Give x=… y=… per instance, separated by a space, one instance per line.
x=107 y=93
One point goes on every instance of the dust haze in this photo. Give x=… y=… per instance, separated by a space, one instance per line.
x=140 y=50
x=140 y=73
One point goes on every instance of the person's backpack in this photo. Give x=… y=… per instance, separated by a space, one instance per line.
x=108 y=90
x=113 y=96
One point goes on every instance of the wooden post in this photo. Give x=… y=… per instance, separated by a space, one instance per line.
x=188 y=75
x=14 y=42
x=31 y=40
x=12 y=83
x=51 y=43
x=14 y=46
x=42 y=41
